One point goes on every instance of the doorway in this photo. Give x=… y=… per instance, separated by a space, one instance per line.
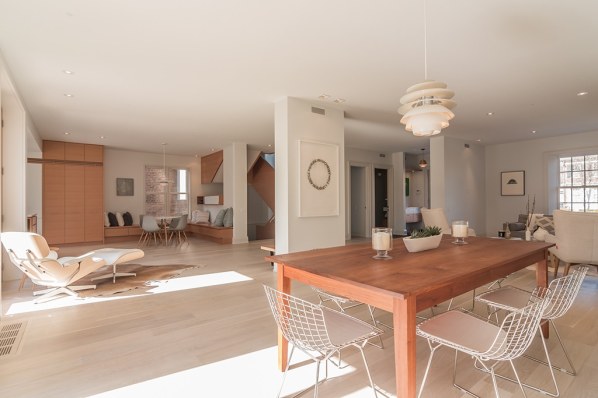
x=358 y=201
x=381 y=207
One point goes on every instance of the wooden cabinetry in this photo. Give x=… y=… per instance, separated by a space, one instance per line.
x=53 y=181
x=73 y=192
x=74 y=203
x=94 y=203
x=210 y=200
x=210 y=167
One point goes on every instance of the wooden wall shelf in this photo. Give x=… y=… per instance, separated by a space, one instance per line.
x=210 y=200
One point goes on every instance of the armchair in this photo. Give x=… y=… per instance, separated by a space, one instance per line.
x=438 y=218
x=30 y=253
x=576 y=239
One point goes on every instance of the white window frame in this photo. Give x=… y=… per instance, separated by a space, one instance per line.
x=588 y=201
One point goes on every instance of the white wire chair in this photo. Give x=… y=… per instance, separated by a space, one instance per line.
x=343 y=304
x=564 y=291
x=318 y=331
x=487 y=343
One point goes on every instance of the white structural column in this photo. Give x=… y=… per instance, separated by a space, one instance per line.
x=235 y=188
x=458 y=181
x=398 y=164
x=296 y=120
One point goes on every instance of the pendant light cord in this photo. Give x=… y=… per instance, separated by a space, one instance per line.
x=425 y=42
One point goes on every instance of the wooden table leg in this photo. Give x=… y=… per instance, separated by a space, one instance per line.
x=284 y=285
x=542 y=280
x=404 y=336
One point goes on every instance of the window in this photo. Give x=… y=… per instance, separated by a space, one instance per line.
x=166 y=196
x=578 y=183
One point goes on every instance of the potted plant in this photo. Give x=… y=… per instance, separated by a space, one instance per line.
x=423 y=239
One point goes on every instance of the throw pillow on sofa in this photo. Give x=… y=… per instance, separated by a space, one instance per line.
x=128 y=218
x=112 y=219
x=228 y=218
x=106 y=220
x=546 y=223
x=219 y=220
x=119 y=219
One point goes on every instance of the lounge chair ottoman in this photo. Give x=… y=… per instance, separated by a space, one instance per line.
x=114 y=257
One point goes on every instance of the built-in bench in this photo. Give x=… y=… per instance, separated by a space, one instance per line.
x=211 y=232
x=112 y=233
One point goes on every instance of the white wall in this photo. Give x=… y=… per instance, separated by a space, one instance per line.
x=128 y=164
x=532 y=157
x=294 y=121
x=14 y=161
x=34 y=192
x=363 y=156
x=458 y=181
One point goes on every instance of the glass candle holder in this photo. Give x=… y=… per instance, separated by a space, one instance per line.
x=460 y=229
x=382 y=242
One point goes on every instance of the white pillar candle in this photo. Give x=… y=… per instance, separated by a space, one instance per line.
x=460 y=230
x=381 y=241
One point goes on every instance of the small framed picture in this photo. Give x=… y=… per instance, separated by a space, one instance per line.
x=512 y=183
x=125 y=187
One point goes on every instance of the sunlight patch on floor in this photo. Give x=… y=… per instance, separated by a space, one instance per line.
x=249 y=375
x=161 y=286
x=197 y=281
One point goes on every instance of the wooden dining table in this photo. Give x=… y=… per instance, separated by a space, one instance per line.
x=408 y=283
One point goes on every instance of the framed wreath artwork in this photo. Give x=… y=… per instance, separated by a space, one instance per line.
x=318 y=179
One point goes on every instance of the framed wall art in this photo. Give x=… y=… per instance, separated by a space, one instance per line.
x=125 y=187
x=318 y=179
x=512 y=183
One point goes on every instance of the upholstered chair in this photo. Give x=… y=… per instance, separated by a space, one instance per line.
x=576 y=239
x=438 y=218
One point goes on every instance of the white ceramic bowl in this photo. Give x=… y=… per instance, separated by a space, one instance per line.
x=421 y=244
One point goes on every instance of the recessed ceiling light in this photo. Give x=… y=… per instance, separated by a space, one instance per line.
x=68 y=72
x=479 y=140
x=212 y=149
x=490 y=113
x=196 y=156
x=533 y=131
x=101 y=137
x=69 y=95
x=340 y=100
x=582 y=93
x=66 y=133
x=324 y=96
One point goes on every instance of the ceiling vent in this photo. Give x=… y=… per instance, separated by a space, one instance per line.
x=319 y=111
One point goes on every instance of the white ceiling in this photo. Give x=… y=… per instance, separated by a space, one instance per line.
x=202 y=74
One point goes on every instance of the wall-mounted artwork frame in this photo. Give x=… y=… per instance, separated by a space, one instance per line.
x=512 y=183
x=125 y=187
x=318 y=179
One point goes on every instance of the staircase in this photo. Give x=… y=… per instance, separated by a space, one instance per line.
x=261 y=177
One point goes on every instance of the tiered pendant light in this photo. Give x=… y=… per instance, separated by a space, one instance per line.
x=422 y=163
x=427 y=106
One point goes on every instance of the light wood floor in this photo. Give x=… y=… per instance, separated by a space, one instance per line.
x=216 y=338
